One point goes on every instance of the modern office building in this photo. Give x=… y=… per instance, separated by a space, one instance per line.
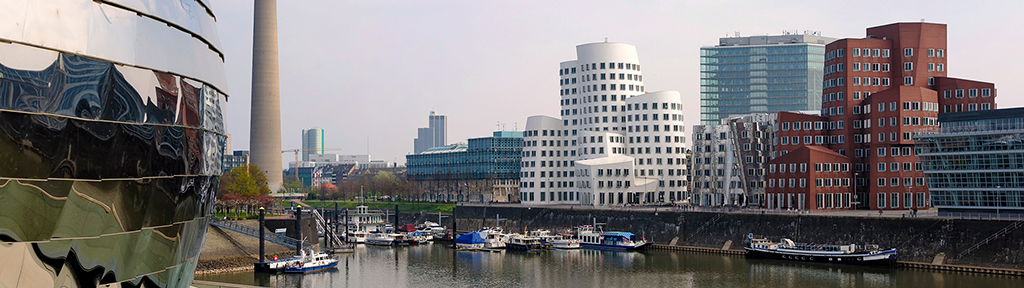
x=975 y=163
x=615 y=144
x=238 y=158
x=435 y=135
x=730 y=159
x=879 y=91
x=485 y=170
x=761 y=74
x=312 y=142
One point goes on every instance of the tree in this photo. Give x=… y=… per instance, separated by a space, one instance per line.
x=328 y=191
x=245 y=181
x=385 y=182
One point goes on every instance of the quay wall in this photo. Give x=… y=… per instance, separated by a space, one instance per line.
x=917 y=239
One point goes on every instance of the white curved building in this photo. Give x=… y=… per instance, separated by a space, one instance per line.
x=615 y=144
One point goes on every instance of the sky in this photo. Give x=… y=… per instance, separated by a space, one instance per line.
x=370 y=72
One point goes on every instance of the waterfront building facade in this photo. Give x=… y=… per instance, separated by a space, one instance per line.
x=485 y=170
x=312 y=142
x=809 y=178
x=975 y=162
x=436 y=133
x=761 y=74
x=879 y=91
x=615 y=143
x=729 y=160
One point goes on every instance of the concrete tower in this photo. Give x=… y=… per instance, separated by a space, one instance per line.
x=265 y=126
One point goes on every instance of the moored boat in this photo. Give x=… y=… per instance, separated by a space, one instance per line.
x=786 y=249
x=357 y=237
x=469 y=241
x=524 y=243
x=380 y=239
x=311 y=262
x=592 y=238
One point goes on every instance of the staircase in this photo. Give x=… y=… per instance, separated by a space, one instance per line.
x=255 y=232
x=706 y=224
x=995 y=236
x=329 y=233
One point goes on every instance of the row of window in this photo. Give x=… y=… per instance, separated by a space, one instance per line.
x=895 y=181
x=895 y=166
x=603 y=87
x=595 y=66
x=971 y=93
x=601 y=76
x=895 y=200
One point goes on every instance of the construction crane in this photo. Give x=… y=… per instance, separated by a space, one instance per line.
x=296 y=151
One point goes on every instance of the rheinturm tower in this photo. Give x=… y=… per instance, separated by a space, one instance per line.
x=265 y=125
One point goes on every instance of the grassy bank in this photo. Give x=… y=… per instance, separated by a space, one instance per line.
x=402 y=205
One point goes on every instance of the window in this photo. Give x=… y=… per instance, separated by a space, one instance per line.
x=908 y=66
x=875 y=52
x=931 y=52
x=907 y=52
x=939 y=53
x=986 y=92
x=939 y=67
x=908 y=81
x=885 y=53
x=885 y=81
x=972 y=93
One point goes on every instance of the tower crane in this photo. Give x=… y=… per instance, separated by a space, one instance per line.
x=296 y=151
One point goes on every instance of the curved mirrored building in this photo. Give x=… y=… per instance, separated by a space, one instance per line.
x=111 y=140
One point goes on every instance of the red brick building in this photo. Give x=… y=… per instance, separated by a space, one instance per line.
x=809 y=178
x=878 y=92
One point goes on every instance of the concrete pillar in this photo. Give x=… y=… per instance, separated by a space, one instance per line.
x=265 y=118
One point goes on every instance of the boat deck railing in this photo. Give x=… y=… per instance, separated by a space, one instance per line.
x=255 y=232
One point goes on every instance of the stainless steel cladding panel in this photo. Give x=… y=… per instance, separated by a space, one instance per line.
x=111 y=140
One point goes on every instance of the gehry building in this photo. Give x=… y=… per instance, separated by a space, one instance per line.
x=615 y=143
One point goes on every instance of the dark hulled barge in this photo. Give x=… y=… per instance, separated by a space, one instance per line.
x=786 y=249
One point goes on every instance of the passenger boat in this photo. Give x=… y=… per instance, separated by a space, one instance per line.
x=380 y=239
x=362 y=221
x=275 y=265
x=562 y=242
x=786 y=249
x=311 y=262
x=431 y=229
x=524 y=243
x=592 y=238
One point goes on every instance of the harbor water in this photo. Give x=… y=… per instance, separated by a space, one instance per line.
x=435 y=265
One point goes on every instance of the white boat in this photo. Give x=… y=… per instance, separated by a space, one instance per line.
x=430 y=229
x=356 y=236
x=311 y=262
x=493 y=238
x=560 y=242
x=380 y=238
x=524 y=243
x=612 y=240
x=469 y=241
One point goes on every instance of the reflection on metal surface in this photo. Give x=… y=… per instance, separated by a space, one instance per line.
x=107 y=172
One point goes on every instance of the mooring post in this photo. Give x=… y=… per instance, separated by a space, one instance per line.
x=262 y=236
x=298 y=230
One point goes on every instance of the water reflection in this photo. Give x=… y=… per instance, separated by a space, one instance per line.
x=438 y=266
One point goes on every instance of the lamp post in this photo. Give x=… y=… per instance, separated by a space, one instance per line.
x=855 y=202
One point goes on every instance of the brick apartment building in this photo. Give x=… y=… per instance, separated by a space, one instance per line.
x=879 y=92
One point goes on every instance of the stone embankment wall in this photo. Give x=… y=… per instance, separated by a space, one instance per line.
x=918 y=239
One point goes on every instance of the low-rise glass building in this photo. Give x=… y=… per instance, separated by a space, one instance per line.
x=485 y=170
x=975 y=163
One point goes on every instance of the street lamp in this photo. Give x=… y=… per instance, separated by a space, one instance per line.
x=855 y=201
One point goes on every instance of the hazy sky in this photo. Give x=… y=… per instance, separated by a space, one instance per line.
x=375 y=69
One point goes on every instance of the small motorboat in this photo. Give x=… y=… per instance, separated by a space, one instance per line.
x=380 y=239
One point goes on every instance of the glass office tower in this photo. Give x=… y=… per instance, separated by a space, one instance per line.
x=761 y=74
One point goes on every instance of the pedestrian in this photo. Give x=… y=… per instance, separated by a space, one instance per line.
x=879 y=212
x=915 y=212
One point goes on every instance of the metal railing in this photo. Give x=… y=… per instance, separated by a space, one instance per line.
x=706 y=224
x=981 y=216
x=1005 y=231
x=255 y=232
x=329 y=234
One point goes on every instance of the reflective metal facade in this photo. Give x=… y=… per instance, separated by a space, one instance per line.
x=111 y=141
